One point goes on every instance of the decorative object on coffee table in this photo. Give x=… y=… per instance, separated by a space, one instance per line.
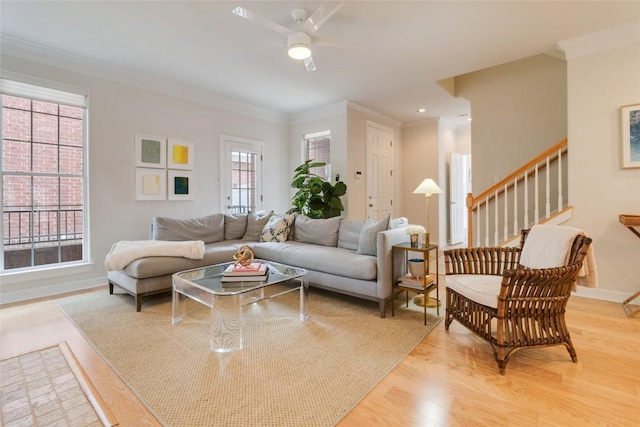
x=427 y=187
x=243 y=256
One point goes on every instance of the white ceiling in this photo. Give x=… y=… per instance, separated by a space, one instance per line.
x=399 y=49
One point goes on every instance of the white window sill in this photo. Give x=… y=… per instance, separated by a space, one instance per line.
x=11 y=277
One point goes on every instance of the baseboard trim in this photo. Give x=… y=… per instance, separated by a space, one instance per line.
x=602 y=294
x=49 y=291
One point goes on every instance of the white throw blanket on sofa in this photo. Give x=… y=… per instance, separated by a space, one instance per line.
x=549 y=246
x=123 y=252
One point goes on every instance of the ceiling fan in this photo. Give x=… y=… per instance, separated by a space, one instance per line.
x=299 y=40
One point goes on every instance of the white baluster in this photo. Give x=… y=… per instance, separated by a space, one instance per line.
x=547 y=190
x=486 y=221
x=506 y=214
x=496 y=233
x=515 y=204
x=536 y=210
x=560 y=203
x=526 y=199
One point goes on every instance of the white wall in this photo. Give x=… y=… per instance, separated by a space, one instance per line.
x=116 y=113
x=599 y=189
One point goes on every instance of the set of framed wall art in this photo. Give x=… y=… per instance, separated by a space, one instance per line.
x=164 y=168
x=630 y=118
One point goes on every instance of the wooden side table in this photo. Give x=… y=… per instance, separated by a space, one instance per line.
x=426 y=285
x=630 y=221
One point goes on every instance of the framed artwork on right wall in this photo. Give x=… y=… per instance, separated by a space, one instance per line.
x=630 y=119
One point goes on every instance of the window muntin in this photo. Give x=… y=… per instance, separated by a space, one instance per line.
x=43 y=178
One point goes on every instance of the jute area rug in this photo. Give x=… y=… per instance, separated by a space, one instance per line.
x=289 y=373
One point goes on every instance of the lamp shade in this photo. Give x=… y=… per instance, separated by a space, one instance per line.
x=428 y=187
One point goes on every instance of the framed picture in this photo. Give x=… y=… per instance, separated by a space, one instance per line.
x=181 y=154
x=151 y=184
x=630 y=119
x=181 y=185
x=151 y=151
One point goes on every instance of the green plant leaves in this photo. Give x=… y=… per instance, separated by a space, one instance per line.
x=316 y=198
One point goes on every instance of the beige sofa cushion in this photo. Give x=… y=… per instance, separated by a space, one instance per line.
x=317 y=231
x=209 y=229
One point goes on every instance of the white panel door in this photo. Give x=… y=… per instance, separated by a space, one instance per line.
x=379 y=161
x=457 y=198
x=242 y=166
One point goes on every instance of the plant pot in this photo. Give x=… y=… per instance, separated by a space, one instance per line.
x=416 y=267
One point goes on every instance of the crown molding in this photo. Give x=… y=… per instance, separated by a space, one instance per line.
x=373 y=114
x=319 y=113
x=45 y=55
x=601 y=41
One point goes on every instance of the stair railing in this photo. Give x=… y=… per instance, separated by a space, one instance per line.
x=514 y=202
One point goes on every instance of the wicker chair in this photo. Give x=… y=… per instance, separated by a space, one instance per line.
x=508 y=305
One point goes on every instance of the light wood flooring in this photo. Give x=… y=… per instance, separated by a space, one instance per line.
x=450 y=379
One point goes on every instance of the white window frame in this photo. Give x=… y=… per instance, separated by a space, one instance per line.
x=14 y=84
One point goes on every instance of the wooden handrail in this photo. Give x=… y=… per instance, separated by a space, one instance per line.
x=472 y=201
x=560 y=145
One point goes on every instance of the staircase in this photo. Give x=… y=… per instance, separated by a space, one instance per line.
x=533 y=194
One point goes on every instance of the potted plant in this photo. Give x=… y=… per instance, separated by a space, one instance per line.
x=316 y=197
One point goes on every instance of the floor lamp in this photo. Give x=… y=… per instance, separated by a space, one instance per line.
x=427 y=187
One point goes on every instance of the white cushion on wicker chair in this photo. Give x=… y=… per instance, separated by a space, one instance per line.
x=481 y=288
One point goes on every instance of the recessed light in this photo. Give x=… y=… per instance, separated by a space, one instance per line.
x=421 y=110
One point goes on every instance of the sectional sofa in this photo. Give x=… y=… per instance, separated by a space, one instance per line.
x=342 y=255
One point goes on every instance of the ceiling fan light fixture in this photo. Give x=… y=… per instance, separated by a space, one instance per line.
x=299 y=45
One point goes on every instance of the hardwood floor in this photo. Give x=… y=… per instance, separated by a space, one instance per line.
x=450 y=379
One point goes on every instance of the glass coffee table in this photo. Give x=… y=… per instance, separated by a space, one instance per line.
x=227 y=298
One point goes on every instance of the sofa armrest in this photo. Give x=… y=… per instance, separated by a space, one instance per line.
x=386 y=240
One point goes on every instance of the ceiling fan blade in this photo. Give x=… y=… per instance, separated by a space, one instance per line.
x=320 y=16
x=334 y=42
x=250 y=16
x=309 y=65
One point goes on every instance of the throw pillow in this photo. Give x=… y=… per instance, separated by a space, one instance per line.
x=235 y=226
x=349 y=234
x=255 y=224
x=209 y=229
x=398 y=222
x=317 y=231
x=368 y=240
x=277 y=228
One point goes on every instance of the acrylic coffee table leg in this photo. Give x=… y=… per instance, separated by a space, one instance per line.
x=304 y=296
x=178 y=307
x=226 y=324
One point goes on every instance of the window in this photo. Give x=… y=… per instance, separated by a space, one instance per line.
x=317 y=146
x=43 y=176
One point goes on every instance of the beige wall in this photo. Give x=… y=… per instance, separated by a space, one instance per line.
x=599 y=189
x=519 y=109
x=116 y=113
x=420 y=160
